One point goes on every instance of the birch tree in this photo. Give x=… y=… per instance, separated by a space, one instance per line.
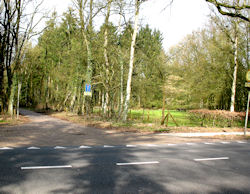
x=232 y=35
x=81 y=6
x=105 y=53
x=131 y=60
x=235 y=48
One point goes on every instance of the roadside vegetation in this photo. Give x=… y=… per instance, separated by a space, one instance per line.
x=149 y=121
x=6 y=120
x=122 y=68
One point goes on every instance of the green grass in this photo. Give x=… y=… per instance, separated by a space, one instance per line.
x=182 y=118
x=155 y=116
x=187 y=119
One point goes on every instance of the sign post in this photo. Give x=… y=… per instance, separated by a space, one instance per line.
x=246 y=120
x=247 y=84
x=87 y=91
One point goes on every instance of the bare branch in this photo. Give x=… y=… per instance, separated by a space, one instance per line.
x=232 y=10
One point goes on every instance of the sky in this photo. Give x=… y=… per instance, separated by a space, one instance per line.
x=174 y=22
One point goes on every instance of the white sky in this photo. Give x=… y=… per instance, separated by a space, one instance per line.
x=183 y=17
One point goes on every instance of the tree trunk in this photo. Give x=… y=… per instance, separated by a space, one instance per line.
x=121 y=67
x=131 y=61
x=89 y=51
x=73 y=100
x=11 y=97
x=106 y=101
x=105 y=53
x=103 y=101
x=1 y=84
x=163 y=104
x=232 y=106
x=18 y=98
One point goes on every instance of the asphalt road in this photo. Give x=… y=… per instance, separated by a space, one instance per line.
x=181 y=168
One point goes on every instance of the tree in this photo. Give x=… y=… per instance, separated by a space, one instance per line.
x=16 y=27
x=232 y=9
x=131 y=60
x=205 y=63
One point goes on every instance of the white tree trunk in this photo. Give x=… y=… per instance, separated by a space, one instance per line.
x=105 y=53
x=18 y=98
x=12 y=96
x=131 y=61
x=73 y=100
x=103 y=100
x=235 y=68
x=122 y=71
x=106 y=101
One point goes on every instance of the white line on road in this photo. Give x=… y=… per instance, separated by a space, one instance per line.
x=241 y=142
x=59 y=147
x=207 y=159
x=33 y=148
x=170 y=144
x=207 y=143
x=225 y=142
x=108 y=146
x=44 y=167
x=151 y=145
x=190 y=143
x=131 y=146
x=83 y=147
x=137 y=163
x=6 y=148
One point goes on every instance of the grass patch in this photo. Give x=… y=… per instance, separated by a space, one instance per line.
x=155 y=116
x=149 y=121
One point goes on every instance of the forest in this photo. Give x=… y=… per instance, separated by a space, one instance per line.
x=77 y=66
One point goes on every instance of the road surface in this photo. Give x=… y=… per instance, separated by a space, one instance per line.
x=204 y=167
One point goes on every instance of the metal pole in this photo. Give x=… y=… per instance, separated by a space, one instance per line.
x=246 y=120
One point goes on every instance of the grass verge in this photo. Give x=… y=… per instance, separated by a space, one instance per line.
x=134 y=125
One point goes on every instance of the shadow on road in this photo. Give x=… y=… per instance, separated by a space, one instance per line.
x=44 y=130
x=95 y=170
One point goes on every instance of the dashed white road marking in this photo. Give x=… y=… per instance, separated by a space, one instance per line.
x=137 y=163
x=225 y=142
x=207 y=159
x=191 y=143
x=208 y=143
x=6 y=148
x=131 y=146
x=44 y=167
x=84 y=147
x=151 y=145
x=241 y=142
x=33 y=148
x=59 y=147
x=108 y=146
x=171 y=144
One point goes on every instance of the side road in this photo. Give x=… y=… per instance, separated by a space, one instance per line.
x=44 y=130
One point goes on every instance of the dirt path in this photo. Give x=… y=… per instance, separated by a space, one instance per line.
x=44 y=130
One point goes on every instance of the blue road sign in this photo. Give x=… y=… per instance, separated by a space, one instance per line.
x=87 y=88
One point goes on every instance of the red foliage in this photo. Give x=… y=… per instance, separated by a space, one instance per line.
x=219 y=114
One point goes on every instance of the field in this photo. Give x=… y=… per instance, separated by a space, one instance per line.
x=155 y=116
x=188 y=119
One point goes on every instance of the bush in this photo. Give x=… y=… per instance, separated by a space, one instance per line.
x=219 y=118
